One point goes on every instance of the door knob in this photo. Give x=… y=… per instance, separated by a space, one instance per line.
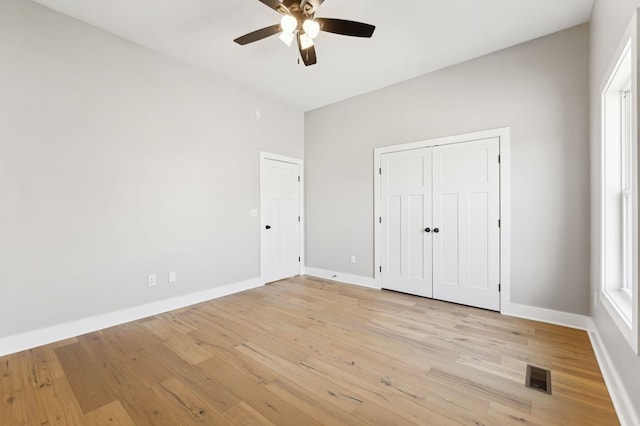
x=427 y=230
x=436 y=230
x=267 y=227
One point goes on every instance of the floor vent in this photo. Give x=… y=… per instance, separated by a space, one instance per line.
x=538 y=379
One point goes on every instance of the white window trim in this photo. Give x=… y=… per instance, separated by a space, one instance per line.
x=622 y=304
x=627 y=167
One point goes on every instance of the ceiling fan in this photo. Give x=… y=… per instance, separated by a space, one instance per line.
x=299 y=22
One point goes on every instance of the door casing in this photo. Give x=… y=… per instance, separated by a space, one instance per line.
x=505 y=200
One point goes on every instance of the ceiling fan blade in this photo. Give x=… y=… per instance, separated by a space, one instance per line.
x=344 y=27
x=258 y=35
x=275 y=5
x=308 y=55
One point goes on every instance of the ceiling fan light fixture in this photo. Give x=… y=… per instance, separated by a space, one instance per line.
x=305 y=41
x=287 y=38
x=311 y=27
x=298 y=22
x=288 y=24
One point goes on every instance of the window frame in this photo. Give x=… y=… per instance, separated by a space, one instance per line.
x=619 y=254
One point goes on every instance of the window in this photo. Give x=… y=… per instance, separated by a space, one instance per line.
x=619 y=178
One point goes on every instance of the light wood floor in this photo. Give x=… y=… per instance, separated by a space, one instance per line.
x=304 y=352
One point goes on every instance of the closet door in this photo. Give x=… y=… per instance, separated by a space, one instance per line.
x=466 y=238
x=406 y=214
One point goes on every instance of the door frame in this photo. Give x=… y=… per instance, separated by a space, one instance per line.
x=264 y=156
x=504 y=136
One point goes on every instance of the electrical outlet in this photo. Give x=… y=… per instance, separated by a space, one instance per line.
x=353 y=259
x=253 y=213
x=172 y=277
x=151 y=280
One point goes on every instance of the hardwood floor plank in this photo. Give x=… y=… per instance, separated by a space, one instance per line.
x=134 y=390
x=402 y=398
x=308 y=402
x=62 y=343
x=51 y=392
x=493 y=391
x=189 y=406
x=56 y=401
x=553 y=410
x=255 y=394
x=18 y=401
x=259 y=372
x=90 y=384
x=182 y=344
x=129 y=337
x=140 y=365
x=203 y=384
x=504 y=415
x=331 y=393
x=511 y=372
x=244 y=415
x=112 y=414
x=45 y=365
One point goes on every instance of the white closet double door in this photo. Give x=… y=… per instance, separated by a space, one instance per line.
x=440 y=226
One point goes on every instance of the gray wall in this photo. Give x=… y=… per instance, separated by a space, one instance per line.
x=540 y=90
x=609 y=22
x=115 y=163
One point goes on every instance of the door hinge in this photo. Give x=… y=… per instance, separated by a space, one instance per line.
x=298 y=218
x=298 y=258
x=498 y=159
x=499 y=223
x=298 y=178
x=499 y=287
x=381 y=269
x=380 y=171
x=380 y=219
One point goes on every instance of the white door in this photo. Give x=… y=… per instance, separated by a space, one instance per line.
x=466 y=204
x=406 y=213
x=280 y=220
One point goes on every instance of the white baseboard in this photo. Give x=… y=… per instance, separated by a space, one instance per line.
x=345 y=278
x=512 y=309
x=621 y=401
x=550 y=316
x=55 y=333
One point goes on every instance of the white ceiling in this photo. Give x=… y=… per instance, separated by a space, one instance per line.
x=413 y=37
